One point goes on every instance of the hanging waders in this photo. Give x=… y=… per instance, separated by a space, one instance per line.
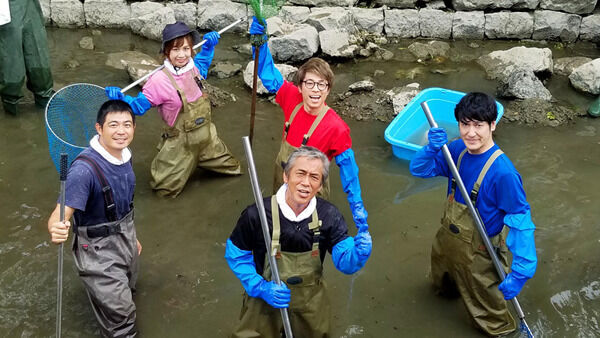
x=286 y=149
x=106 y=257
x=460 y=261
x=192 y=142
x=24 y=53
x=302 y=272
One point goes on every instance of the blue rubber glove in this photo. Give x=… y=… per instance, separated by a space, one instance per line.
x=521 y=243
x=203 y=59
x=212 y=39
x=351 y=254
x=351 y=186
x=241 y=262
x=267 y=72
x=363 y=242
x=114 y=93
x=278 y=296
x=256 y=27
x=139 y=104
x=512 y=285
x=437 y=139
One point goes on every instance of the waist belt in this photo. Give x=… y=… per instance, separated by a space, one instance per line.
x=103 y=230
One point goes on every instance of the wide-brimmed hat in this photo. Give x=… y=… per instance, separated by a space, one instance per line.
x=176 y=30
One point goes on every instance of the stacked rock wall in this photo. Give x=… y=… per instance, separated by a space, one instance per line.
x=559 y=20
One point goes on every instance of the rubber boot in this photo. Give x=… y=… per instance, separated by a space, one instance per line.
x=10 y=108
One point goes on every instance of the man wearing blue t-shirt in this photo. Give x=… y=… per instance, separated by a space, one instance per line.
x=459 y=260
x=99 y=197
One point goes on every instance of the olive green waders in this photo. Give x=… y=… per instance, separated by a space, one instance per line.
x=460 y=261
x=286 y=149
x=24 y=53
x=108 y=266
x=192 y=142
x=302 y=272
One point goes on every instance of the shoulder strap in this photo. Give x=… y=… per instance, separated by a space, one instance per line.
x=460 y=157
x=316 y=122
x=182 y=96
x=276 y=226
x=288 y=123
x=484 y=171
x=109 y=202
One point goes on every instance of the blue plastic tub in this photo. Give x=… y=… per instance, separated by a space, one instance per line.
x=408 y=131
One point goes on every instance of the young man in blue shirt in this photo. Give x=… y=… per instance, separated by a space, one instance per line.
x=99 y=196
x=459 y=260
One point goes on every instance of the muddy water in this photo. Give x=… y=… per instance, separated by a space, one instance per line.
x=186 y=289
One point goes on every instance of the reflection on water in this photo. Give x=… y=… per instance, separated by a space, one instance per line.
x=185 y=287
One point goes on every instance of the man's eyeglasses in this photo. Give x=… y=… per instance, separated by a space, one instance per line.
x=310 y=84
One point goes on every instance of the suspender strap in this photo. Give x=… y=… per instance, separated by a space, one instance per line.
x=460 y=157
x=484 y=171
x=181 y=93
x=289 y=122
x=110 y=208
x=314 y=225
x=314 y=125
x=276 y=226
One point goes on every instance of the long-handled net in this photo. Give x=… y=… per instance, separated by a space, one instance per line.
x=263 y=9
x=71 y=119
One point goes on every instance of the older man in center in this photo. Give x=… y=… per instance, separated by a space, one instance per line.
x=310 y=121
x=303 y=229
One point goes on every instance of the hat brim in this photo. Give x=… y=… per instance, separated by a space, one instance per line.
x=196 y=39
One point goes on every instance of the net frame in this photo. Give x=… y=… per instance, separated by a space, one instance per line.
x=71 y=118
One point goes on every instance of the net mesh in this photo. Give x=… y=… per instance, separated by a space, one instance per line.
x=268 y=9
x=71 y=119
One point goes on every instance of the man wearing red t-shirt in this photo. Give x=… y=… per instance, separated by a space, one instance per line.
x=309 y=121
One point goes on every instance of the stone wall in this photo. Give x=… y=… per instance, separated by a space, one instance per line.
x=558 y=20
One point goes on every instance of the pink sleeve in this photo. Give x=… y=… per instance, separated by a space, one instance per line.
x=155 y=89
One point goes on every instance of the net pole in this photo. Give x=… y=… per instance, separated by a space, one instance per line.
x=477 y=218
x=265 y=229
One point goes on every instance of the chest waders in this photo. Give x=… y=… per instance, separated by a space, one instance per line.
x=286 y=149
x=460 y=262
x=24 y=55
x=192 y=142
x=302 y=272
x=106 y=258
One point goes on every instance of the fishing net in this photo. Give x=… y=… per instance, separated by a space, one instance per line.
x=71 y=119
x=264 y=9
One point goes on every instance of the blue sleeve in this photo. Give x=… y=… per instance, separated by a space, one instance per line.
x=139 y=104
x=203 y=60
x=346 y=258
x=521 y=243
x=241 y=262
x=428 y=163
x=349 y=175
x=269 y=75
x=351 y=186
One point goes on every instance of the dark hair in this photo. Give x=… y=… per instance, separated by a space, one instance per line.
x=476 y=106
x=317 y=66
x=178 y=42
x=113 y=106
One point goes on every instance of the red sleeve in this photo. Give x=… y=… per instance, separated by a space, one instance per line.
x=342 y=141
x=288 y=98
